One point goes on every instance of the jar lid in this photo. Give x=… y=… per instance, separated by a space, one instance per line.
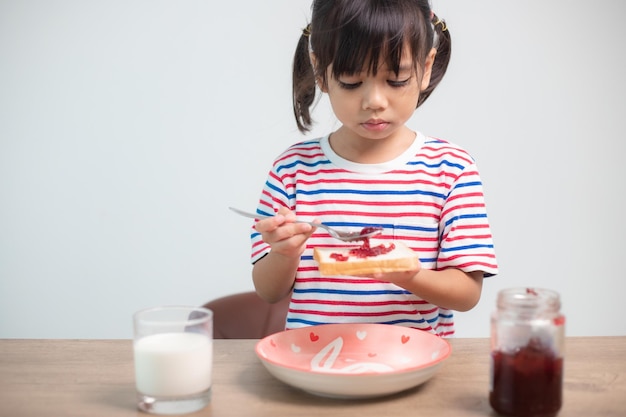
x=529 y=298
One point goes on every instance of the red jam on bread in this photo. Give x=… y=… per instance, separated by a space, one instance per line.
x=372 y=257
x=364 y=251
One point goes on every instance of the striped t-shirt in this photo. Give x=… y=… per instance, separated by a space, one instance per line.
x=430 y=197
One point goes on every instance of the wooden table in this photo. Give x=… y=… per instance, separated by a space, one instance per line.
x=93 y=378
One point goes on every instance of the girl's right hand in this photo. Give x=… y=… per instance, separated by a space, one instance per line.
x=284 y=235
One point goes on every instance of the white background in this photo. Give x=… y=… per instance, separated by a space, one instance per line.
x=127 y=127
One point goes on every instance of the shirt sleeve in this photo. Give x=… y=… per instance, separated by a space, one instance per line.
x=466 y=239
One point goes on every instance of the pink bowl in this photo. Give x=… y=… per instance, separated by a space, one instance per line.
x=353 y=360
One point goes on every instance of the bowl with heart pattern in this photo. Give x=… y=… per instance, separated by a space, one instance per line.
x=353 y=360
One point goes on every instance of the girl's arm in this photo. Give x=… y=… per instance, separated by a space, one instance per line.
x=275 y=273
x=449 y=288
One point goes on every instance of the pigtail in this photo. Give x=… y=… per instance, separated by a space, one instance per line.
x=303 y=83
x=443 y=44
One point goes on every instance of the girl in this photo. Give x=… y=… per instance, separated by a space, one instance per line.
x=377 y=60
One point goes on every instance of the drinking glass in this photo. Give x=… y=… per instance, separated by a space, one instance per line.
x=173 y=357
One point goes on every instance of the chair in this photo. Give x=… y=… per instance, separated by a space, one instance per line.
x=247 y=316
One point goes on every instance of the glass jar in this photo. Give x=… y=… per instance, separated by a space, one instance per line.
x=527 y=347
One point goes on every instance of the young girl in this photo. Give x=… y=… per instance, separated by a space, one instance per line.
x=377 y=60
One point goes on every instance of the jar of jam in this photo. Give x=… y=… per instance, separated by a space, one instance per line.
x=527 y=347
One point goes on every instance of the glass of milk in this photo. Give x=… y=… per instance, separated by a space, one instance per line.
x=173 y=356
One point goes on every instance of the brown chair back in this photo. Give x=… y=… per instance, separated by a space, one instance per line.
x=247 y=316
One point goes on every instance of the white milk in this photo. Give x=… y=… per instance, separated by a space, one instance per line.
x=173 y=364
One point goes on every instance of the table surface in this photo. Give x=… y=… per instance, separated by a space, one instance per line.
x=54 y=377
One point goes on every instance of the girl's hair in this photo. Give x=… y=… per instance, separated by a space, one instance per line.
x=353 y=36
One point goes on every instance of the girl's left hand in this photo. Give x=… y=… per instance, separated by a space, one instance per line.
x=400 y=278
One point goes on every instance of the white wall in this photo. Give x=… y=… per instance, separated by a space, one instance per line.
x=128 y=127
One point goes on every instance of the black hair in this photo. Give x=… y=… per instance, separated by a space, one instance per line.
x=353 y=36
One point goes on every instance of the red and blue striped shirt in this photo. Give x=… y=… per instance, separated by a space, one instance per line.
x=430 y=197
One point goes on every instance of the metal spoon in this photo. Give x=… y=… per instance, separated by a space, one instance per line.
x=337 y=234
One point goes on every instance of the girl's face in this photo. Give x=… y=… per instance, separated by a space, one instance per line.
x=377 y=106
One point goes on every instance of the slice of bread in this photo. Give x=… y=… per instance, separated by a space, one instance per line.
x=400 y=258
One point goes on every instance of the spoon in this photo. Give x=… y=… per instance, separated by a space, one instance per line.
x=365 y=233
